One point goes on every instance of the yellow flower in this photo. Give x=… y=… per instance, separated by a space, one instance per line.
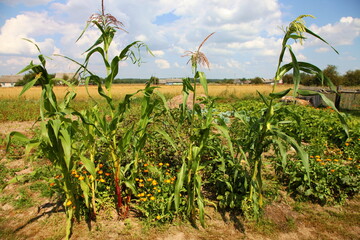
x=100 y=172
x=149 y=195
x=336 y=160
x=154 y=182
x=158 y=217
x=166 y=164
x=152 y=198
x=144 y=199
x=141 y=180
x=81 y=178
x=350 y=159
x=102 y=180
x=68 y=203
x=317 y=156
x=322 y=163
x=160 y=190
x=101 y=165
x=149 y=179
x=141 y=184
x=167 y=181
x=160 y=164
x=318 y=160
x=346 y=144
x=328 y=159
x=145 y=165
x=311 y=156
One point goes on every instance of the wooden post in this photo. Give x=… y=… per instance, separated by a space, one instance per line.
x=337 y=98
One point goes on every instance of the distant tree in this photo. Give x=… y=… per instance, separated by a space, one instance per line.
x=288 y=78
x=331 y=72
x=309 y=79
x=256 y=80
x=352 y=78
x=154 y=80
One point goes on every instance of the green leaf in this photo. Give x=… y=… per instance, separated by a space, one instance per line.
x=15 y=135
x=203 y=81
x=317 y=36
x=30 y=84
x=179 y=184
x=89 y=165
x=279 y=94
x=65 y=140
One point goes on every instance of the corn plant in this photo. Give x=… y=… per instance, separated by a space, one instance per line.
x=109 y=130
x=58 y=131
x=264 y=132
x=200 y=125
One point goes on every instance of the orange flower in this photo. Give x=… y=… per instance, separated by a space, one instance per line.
x=52 y=184
x=101 y=165
x=350 y=159
x=332 y=170
x=100 y=172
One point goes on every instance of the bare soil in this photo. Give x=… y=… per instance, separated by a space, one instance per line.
x=284 y=219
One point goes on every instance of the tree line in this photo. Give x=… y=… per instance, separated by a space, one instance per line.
x=350 y=78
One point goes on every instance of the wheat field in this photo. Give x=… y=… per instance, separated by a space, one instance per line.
x=119 y=91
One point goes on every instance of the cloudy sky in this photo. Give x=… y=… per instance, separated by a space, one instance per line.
x=246 y=43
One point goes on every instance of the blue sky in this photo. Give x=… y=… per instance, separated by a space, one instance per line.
x=246 y=43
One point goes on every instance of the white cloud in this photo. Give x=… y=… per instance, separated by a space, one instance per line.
x=26 y=2
x=322 y=49
x=343 y=32
x=162 y=63
x=158 y=53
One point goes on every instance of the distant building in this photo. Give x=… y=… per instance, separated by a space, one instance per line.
x=9 y=80
x=170 y=81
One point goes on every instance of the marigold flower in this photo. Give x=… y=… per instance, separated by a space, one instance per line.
x=145 y=165
x=52 y=184
x=328 y=159
x=149 y=179
x=160 y=164
x=107 y=174
x=141 y=180
x=146 y=170
x=141 y=184
x=102 y=180
x=100 y=172
x=158 y=217
x=167 y=164
x=149 y=195
x=318 y=160
x=346 y=144
x=144 y=199
x=101 y=165
x=76 y=175
x=350 y=159
x=154 y=182
x=311 y=156
x=322 y=163
x=81 y=178
x=68 y=203
x=317 y=156
x=152 y=198
x=336 y=160
x=160 y=190
x=167 y=181
x=136 y=179
x=332 y=170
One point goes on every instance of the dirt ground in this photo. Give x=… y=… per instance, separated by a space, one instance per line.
x=284 y=219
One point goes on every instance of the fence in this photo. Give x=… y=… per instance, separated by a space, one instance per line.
x=348 y=99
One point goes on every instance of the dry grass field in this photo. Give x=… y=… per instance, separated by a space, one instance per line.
x=119 y=90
